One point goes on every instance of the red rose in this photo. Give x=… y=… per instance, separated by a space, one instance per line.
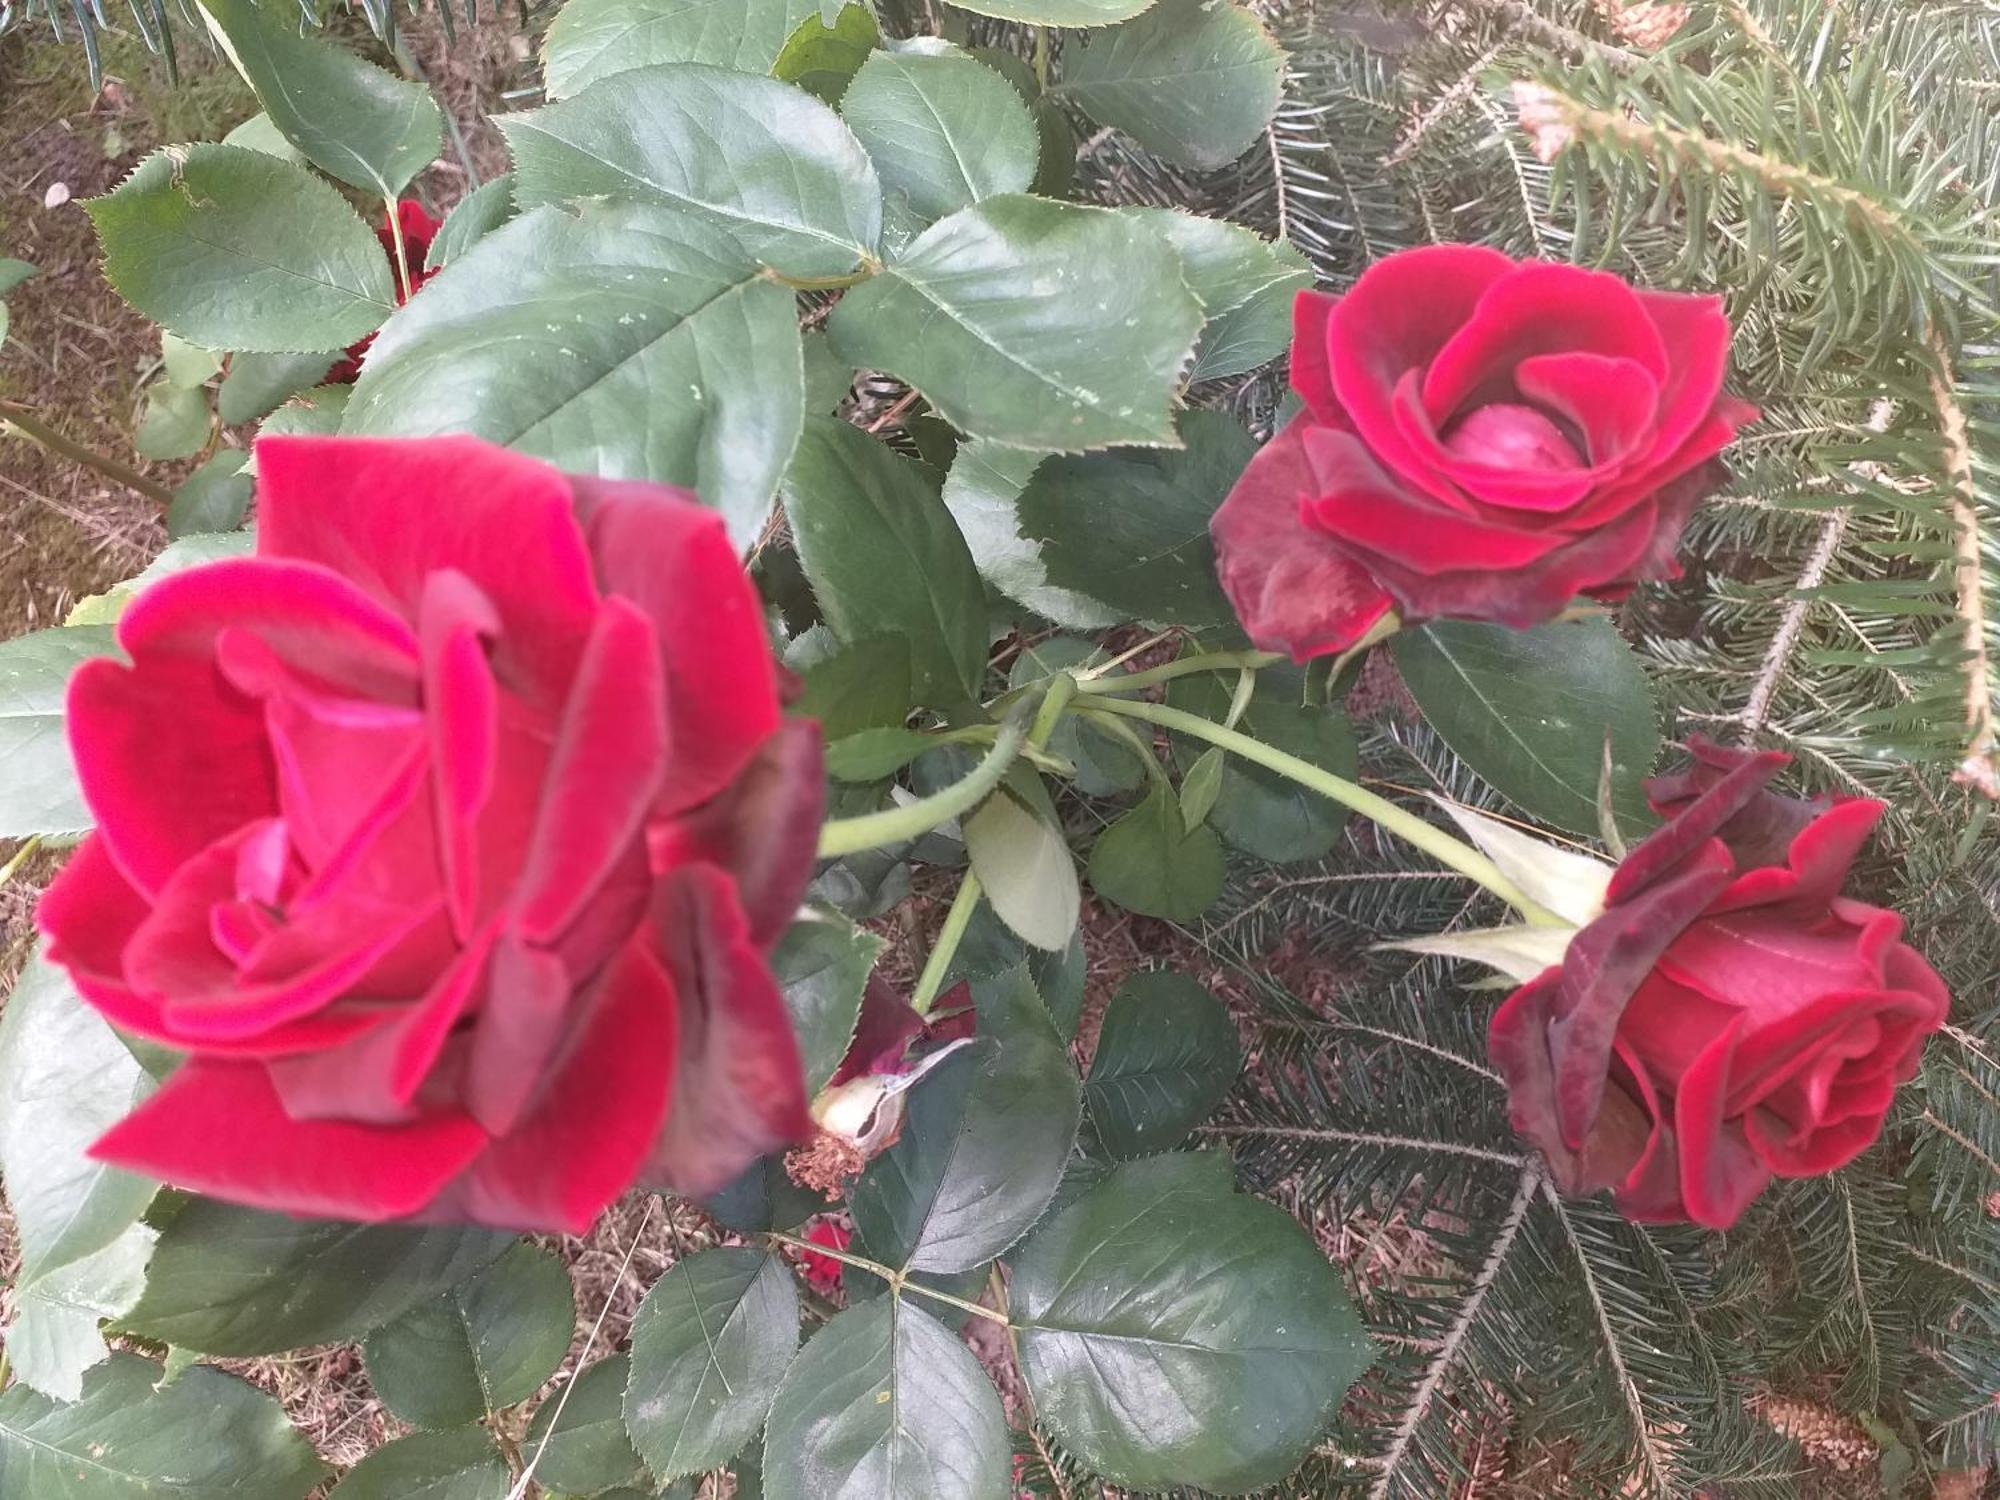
x=1483 y=438
x=1731 y=1016
x=823 y=1271
x=448 y=836
x=419 y=229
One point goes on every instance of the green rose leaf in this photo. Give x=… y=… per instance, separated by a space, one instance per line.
x=592 y=39
x=208 y=1434
x=1529 y=710
x=580 y=1446
x=1023 y=862
x=13 y=273
x=212 y=498
x=766 y=164
x=39 y=793
x=1196 y=81
x=316 y=412
x=236 y=1281
x=983 y=1143
x=982 y=491
x=232 y=249
x=458 y=1465
x=885 y=1404
x=54 y=1338
x=257 y=383
x=1258 y=811
x=822 y=56
x=187 y=364
x=885 y=558
x=620 y=339
x=971 y=316
x=1245 y=284
x=175 y=425
x=944 y=131
x=477 y=215
x=1151 y=862
x=1166 y=1057
x=487 y=1343
x=822 y=964
x=352 y=120
x=764 y=1197
x=710 y=1345
x=851 y=686
x=1131 y=528
x=1174 y=1333
x=258 y=134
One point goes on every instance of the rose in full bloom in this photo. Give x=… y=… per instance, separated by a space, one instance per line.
x=1483 y=438
x=1730 y=1016
x=447 y=836
x=419 y=229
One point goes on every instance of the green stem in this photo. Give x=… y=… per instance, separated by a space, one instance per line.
x=23 y=421
x=869 y=266
x=1186 y=666
x=898 y=1281
x=1433 y=840
x=898 y=825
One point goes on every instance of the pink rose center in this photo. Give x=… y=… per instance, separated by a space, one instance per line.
x=1505 y=436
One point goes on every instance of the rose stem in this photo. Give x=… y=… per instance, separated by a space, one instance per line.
x=23 y=421
x=898 y=1282
x=1433 y=840
x=1100 y=680
x=402 y=251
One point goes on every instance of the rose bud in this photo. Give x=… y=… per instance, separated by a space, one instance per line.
x=447 y=836
x=1483 y=439
x=418 y=230
x=1730 y=1016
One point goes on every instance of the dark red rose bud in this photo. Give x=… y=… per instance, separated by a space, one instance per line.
x=1483 y=438
x=1730 y=1016
x=448 y=836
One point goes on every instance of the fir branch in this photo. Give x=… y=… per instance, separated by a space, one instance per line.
x=1330 y=1136
x=1980 y=765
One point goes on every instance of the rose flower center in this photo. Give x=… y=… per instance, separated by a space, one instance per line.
x=1506 y=436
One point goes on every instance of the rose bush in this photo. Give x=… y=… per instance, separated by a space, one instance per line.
x=1483 y=438
x=447 y=835
x=1730 y=1016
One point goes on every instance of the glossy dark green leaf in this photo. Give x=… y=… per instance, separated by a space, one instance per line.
x=982 y=491
x=1259 y=811
x=1174 y=1333
x=1150 y=862
x=828 y=376
x=1195 y=81
x=1166 y=1057
x=477 y=215
x=855 y=685
x=765 y=163
x=487 y=1343
x=213 y=498
x=1245 y=284
x=875 y=754
x=256 y=383
x=458 y=1465
x=228 y=1280
x=351 y=119
x=1131 y=528
x=316 y=412
x=208 y=1435
x=187 y=364
x=822 y=963
x=1024 y=864
x=943 y=130
x=1529 y=711
x=973 y=318
x=710 y=1345
x=581 y=1442
x=619 y=339
x=39 y=792
x=764 y=1197
x=885 y=557
x=822 y=56
x=592 y=39
x=885 y=1404
x=258 y=134
x=175 y=424
x=983 y=1142
x=232 y=249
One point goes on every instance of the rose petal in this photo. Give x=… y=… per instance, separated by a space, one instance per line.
x=1816 y=864
x=461 y=713
x=1311 y=362
x=218 y=1128
x=1695 y=334
x=516 y=1033
x=1720 y=1173
x=1694 y=827
x=1293 y=588
x=1613 y=402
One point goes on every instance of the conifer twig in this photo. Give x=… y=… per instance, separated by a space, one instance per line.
x=1980 y=766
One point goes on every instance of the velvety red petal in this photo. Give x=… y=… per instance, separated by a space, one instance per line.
x=739 y=1088
x=600 y=1111
x=1815 y=866
x=1695 y=333
x=386 y=512
x=882 y=1035
x=1401 y=311
x=1612 y=402
x=1768 y=964
x=218 y=1128
x=516 y=1032
x=1294 y=590
x=89 y=913
x=1537 y=471
x=1542 y=307
x=673 y=559
x=1820 y=1151
x=610 y=758
x=764 y=830
x=461 y=714
x=1650 y=1189
x=1693 y=827
x=1311 y=364
x=1720 y=1173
